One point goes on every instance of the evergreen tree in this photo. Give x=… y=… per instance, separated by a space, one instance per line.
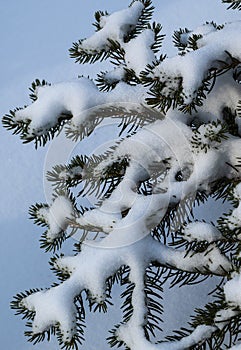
x=180 y=146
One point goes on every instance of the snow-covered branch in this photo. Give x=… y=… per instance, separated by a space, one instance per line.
x=146 y=184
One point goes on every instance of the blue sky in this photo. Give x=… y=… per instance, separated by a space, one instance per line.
x=35 y=37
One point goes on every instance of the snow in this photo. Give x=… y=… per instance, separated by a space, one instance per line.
x=100 y=221
x=193 y=67
x=237 y=191
x=76 y=99
x=201 y=231
x=115 y=27
x=207 y=134
x=89 y=270
x=116 y=75
x=70 y=97
x=138 y=52
x=225 y=91
x=204 y=29
x=234 y=219
x=58 y=216
x=232 y=291
x=222 y=317
x=128 y=241
x=58 y=309
x=159 y=141
x=201 y=333
x=138 y=342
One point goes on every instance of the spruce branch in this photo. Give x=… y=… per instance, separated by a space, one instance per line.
x=180 y=148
